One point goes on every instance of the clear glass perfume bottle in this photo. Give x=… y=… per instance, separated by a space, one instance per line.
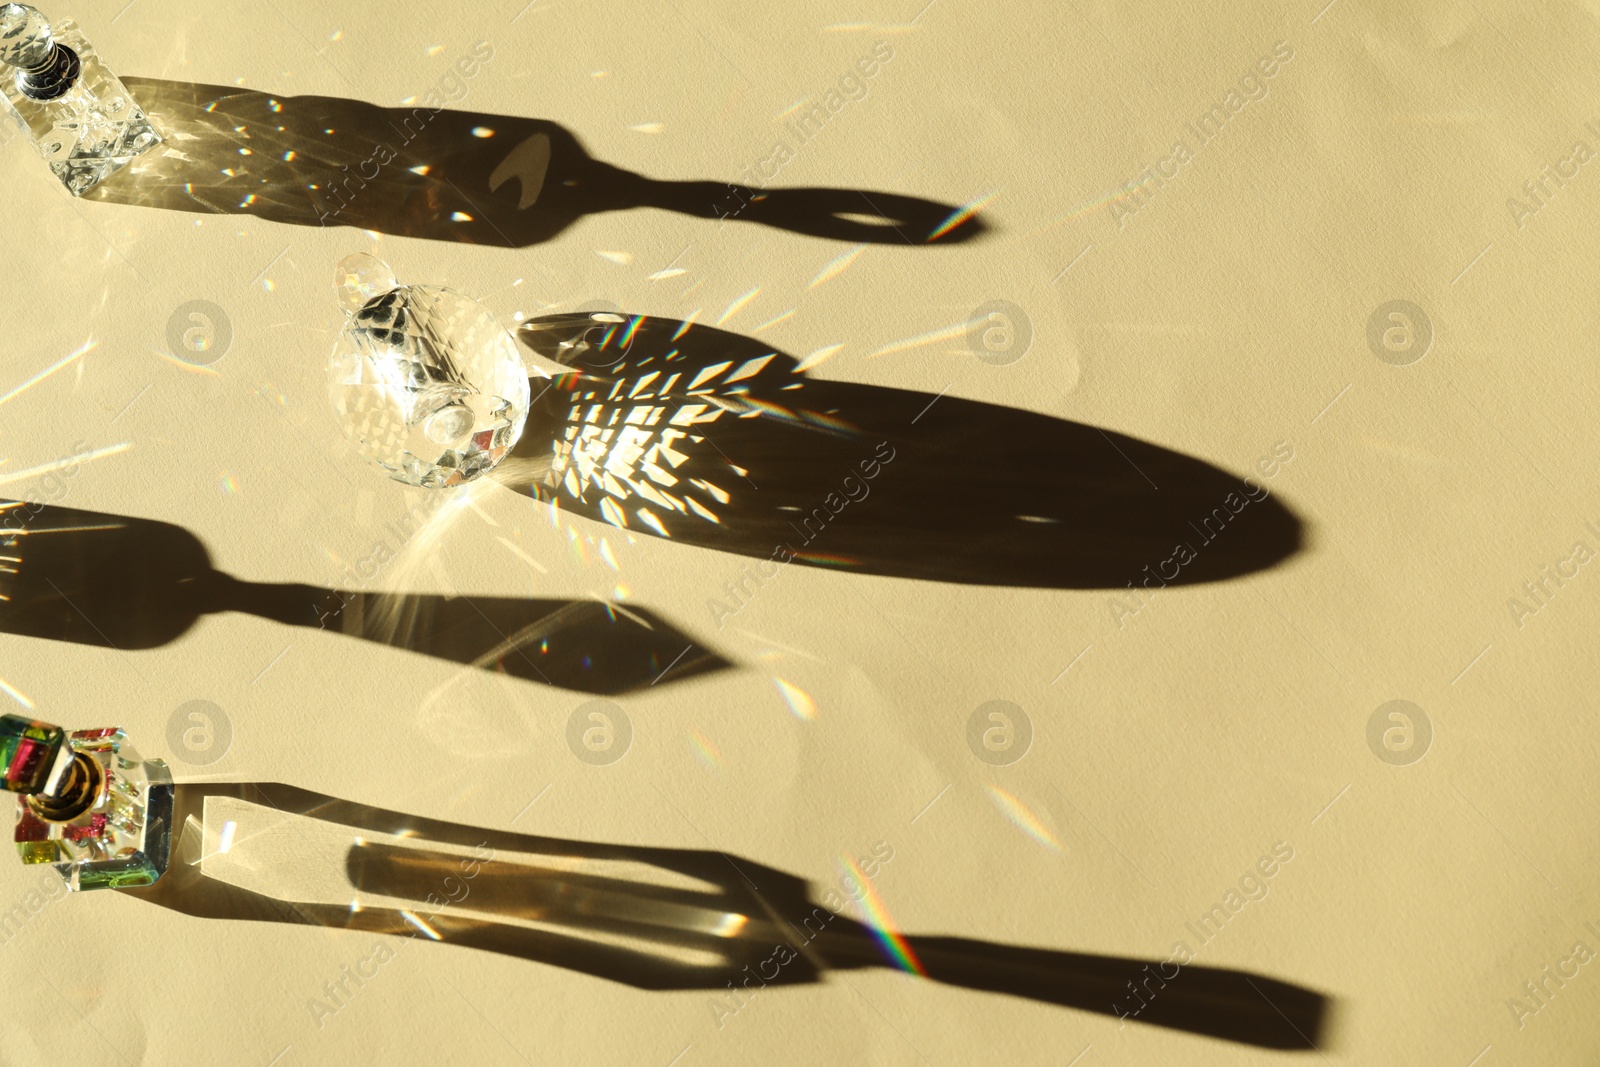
x=78 y=114
x=88 y=805
x=427 y=382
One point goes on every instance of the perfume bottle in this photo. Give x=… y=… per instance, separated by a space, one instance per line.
x=78 y=114
x=87 y=804
x=427 y=381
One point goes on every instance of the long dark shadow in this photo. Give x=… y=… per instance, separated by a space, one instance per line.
x=719 y=440
x=453 y=175
x=671 y=919
x=128 y=583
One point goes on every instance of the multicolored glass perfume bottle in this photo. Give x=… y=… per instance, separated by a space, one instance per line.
x=87 y=803
x=78 y=114
x=427 y=382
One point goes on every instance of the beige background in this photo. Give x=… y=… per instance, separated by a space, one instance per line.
x=1224 y=317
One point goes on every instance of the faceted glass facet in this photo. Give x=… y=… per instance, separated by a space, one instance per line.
x=29 y=753
x=427 y=381
x=361 y=278
x=109 y=824
x=90 y=131
x=25 y=37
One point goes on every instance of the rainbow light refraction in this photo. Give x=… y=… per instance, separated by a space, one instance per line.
x=1023 y=818
x=960 y=216
x=798 y=700
x=705 y=750
x=894 y=944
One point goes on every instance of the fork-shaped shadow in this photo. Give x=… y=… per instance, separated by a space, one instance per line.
x=652 y=918
x=448 y=175
x=719 y=440
x=128 y=583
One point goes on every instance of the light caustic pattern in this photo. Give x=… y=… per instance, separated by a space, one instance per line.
x=626 y=442
x=626 y=453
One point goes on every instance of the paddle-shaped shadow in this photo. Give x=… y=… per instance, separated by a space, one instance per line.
x=448 y=175
x=718 y=440
x=652 y=918
x=127 y=583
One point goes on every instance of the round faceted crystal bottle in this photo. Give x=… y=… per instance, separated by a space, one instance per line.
x=427 y=382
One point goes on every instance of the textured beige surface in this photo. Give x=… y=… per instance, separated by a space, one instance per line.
x=1226 y=315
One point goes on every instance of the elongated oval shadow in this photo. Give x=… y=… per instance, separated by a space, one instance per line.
x=718 y=440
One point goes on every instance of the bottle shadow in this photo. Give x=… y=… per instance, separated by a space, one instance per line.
x=664 y=919
x=448 y=175
x=131 y=584
x=721 y=441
